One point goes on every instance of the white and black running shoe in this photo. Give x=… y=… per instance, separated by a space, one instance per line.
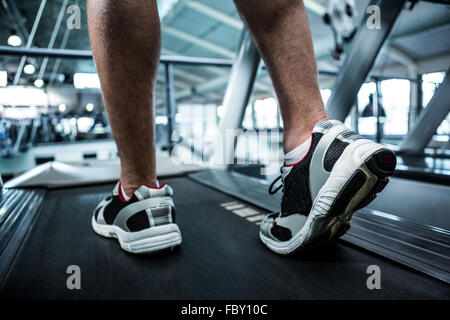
x=342 y=172
x=143 y=224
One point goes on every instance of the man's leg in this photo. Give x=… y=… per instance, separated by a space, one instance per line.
x=327 y=177
x=126 y=39
x=281 y=31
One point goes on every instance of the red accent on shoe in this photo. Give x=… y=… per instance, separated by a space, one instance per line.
x=293 y=164
x=388 y=159
x=120 y=193
x=160 y=187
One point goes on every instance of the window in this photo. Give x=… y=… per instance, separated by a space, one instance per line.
x=396 y=101
x=366 y=125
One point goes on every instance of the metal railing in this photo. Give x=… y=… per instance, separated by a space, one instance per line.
x=87 y=54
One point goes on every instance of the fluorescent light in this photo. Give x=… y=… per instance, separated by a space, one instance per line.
x=29 y=69
x=38 y=83
x=89 y=107
x=86 y=80
x=3 y=78
x=62 y=107
x=161 y=120
x=22 y=96
x=14 y=40
x=20 y=113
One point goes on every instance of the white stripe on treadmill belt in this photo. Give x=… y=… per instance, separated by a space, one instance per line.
x=241 y=210
x=228 y=203
x=234 y=207
x=245 y=212
x=257 y=218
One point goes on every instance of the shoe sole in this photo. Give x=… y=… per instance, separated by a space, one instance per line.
x=145 y=241
x=328 y=220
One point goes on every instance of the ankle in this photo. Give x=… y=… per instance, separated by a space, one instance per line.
x=129 y=187
x=298 y=134
x=293 y=139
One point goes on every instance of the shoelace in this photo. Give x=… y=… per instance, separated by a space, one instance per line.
x=271 y=191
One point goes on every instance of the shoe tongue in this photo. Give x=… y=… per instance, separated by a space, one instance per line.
x=116 y=189
x=324 y=126
x=147 y=192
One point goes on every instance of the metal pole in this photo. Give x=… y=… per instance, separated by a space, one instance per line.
x=87 y=54
x=360 y=58
x=53 y=37
x=419 y=95
x=170 y=102
x=255 y=124
x=278 y=116
x=62 y=46
x=429 y=120
x=19 y=136
x=34 y=127
x=376 y=109
x=237 y=94
x=355 y=115
x=29 y=41
x=416 y=97
x=185 y=60
x=58 y=60
x=15 y=17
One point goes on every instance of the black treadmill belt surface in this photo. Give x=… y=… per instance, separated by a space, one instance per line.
x=221 y=258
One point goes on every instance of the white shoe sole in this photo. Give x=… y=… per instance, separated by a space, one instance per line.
x=145 y=241
x=321 y=226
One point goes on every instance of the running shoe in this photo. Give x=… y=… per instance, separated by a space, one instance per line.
x=342 y=172
x=143 y=224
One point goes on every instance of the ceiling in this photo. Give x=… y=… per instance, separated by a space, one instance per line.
x=212 y=28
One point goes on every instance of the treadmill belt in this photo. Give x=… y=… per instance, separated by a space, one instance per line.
x=221 y=258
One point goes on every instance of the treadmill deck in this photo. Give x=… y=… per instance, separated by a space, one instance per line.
x=221 y=258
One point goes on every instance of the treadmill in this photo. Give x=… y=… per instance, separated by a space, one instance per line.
x=45 y=224
x=45 y=231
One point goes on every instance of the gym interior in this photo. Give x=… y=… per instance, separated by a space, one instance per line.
x=383 y=72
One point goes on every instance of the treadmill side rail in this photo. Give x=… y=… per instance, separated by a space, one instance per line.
x=19 y=209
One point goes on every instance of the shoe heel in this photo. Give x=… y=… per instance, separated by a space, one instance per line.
x=382 y=163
